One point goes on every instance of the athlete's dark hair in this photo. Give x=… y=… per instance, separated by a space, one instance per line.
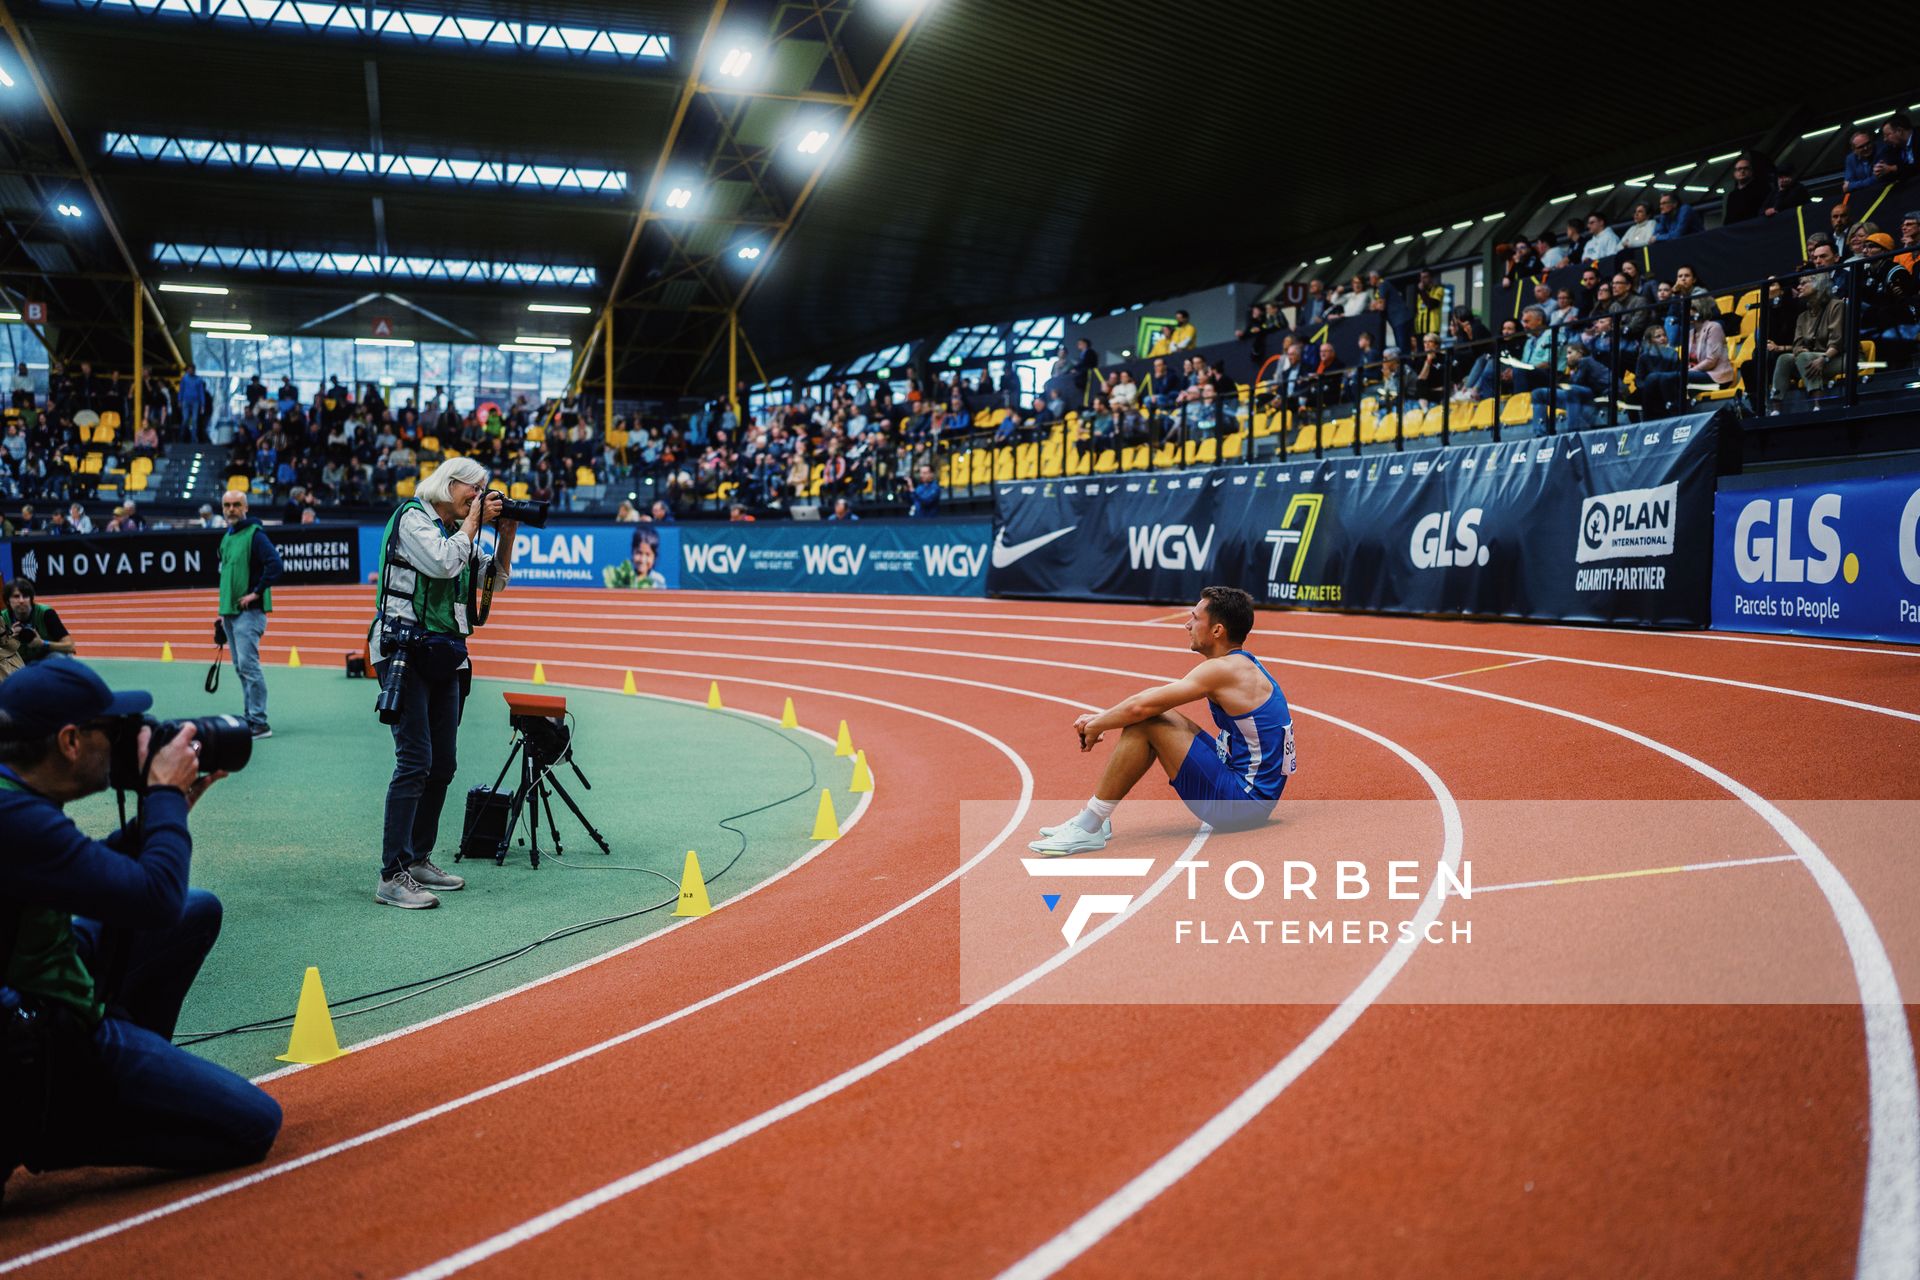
x=1232 y=608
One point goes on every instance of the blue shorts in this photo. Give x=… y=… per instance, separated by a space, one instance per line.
x=1214 y=793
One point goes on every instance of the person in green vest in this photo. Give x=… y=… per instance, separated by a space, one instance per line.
x=29 y=630
x=434 y=584
x=100 y=941
x=249 y=566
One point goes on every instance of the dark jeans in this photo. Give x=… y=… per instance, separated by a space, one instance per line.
x=423 y=749
x=132 y=1098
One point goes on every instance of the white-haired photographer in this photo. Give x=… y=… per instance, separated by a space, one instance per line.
x=432 y=576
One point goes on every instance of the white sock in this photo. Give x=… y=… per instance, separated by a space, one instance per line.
x=1097 y=812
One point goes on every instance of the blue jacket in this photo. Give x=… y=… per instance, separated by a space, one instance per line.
x=1683 y=221
x=926 y=499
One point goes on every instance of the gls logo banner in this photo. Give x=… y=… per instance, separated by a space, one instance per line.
x=1631 y=522
x=1168 y=546
x=1441 y=542
x=1763 y=542
x=1087 y=905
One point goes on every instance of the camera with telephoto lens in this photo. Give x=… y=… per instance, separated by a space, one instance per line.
x=226 y=743
x=531 y=514
x=397 y=638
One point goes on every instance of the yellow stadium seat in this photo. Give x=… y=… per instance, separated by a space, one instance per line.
x=1266 y=423
x=137 y=482
x=1003 y=464
x=1235 y=445
x=1516 y=411
x=1026 y=462
x=430 y=443
x=1725 y=303
x=583 y=475
x=404 y=489
x=536 y=435
x=141 y=465
x=1306 y=441
x=1340 y=433
x=815 y=479
x=617 y=438
x=1105 y=462
x=1200 y=451
x=237 y=484
x=1138 y=458
x=982 y=467
x=985 y=418
x=498 y=486
x=1480 y=417
x=519 y=491
x=110 y=419
x=1166 y=456
x=1053 y=461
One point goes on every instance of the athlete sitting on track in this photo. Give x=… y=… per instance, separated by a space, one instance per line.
x=1231 y=782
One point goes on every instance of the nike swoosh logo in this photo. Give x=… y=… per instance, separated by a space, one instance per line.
x=1004 y=555
x=1574 y=450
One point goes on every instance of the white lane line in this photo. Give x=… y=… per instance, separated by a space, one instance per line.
x=1630 y=875
x=1498 y=666
x=1890 y=1211
x=421 y=1117
x=499 y=627
x=561 y=1214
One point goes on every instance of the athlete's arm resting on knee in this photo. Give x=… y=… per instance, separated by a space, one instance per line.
x=1199 y=683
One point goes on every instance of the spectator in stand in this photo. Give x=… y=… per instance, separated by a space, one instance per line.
x=78 y=521
x=196 y=405
x=1564 y=309
x=1551 y=256
x=1389 y=300
x=1350 y=301
x=1183 y=337
x=1640 y=234
x=1818 y=335
x=1321 y=383
x=1675 y=219
x=22 y=387
x=1658 y=374
x=1086 y=367
x=1430 y=375
x=1786 y=194
x=1707 y=354
x=1536 y=352
x=1602 y=243
x=1313 y=312
x=1897 y=161
x=1254 y=334
x=1429 y=305
x=1123 y=391
x=1587 y=381
x=1888 y=296
x=926 y=494
x=627 y=514
x=1910 y=240
x=843 y=511
x=1752 y=185
x=1866 y=164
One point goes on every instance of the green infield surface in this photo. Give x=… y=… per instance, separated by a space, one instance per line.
x=292 y=846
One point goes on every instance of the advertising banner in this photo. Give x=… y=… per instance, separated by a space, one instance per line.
x=1598 y=526
x=1830 y=553
x=634 y=557
x=178 y=558
x=910 y=557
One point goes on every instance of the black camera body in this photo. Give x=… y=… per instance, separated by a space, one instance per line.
x=531 y=514
x=398 y=636
x=226 y=743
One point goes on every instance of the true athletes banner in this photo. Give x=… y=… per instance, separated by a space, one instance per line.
x=1599 y=526
x=177 y=558
x=917 y=557
x=1833 y=552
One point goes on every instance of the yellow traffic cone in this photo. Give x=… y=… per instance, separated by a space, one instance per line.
x=825 y=825
x=713 y=696
x=787 y=719
x=628 y=687
x=539 y=674
x=293 y=657
x=862 y=778
x=844 y=747
x=166 y=651
x=313 y=1040
x=693 y=890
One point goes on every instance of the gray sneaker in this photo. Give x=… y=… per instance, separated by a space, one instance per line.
x=432 y=877
x=404 y=891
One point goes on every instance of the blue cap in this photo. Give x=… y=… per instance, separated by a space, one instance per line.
x=58 y=691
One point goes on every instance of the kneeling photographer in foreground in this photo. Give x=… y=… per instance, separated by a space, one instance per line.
x=100 y=939
x=430 y=570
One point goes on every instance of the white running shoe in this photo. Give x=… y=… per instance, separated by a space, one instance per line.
x=1072 y=838
x=1106 y=828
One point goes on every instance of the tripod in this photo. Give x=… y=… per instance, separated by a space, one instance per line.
x=534 y=794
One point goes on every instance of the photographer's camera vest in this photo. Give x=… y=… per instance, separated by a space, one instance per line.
x=236 y=570
x=443 y=605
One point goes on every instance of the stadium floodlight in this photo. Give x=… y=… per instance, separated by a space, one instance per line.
x=523 y=349
x=5 y=79
x=1321 y=262
x=539 y=340
x=218 y=290
x=1403 y=239
x=9 y=315
x=1430 y=234
x=1462 y=226
x=736 y=62
x=240 y=337
x=1681 y=168
x=561 y=308
x=813 y=140
x=1493 y=217
x=1820 y=133
x=1731 y=155
x=383 y=342
x=749 y=252
x=1372 y=248
x=1600 y=190
x=235 y=326
x=69 y=210
x=679 y=198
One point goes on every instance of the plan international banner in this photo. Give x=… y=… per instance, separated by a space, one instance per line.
x=1599 y=526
